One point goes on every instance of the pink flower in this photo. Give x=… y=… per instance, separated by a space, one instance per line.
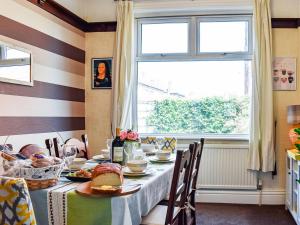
x=123 y=135
x=131 y=136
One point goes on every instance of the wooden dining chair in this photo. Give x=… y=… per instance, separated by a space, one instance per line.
x=190 y=210
x=80 y=146
x=171 y=214
x=84 y=139
x=58 y=150
x=50 y=146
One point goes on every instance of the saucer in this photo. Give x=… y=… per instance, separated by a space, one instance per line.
x=99 y=157
x=157 y=160
x=127 y=172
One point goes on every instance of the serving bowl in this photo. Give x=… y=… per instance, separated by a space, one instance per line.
x=137 y=165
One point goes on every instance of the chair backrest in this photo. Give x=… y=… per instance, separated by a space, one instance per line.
x=17 y=199
x=85 y=140
x=192 y=184
x=80 y=146
x=57 y=148
x=182 y=169
x=198 y=154
x=50 y=146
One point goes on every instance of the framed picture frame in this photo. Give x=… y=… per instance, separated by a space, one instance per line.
x=101 y=73
x=284 y=75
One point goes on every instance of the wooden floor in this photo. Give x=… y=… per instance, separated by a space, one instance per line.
x=231 y=214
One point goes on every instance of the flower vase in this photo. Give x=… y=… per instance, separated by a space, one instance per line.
x=129 y=148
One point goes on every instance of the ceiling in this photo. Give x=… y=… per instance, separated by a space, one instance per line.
x=91 y=10
x=105 y=10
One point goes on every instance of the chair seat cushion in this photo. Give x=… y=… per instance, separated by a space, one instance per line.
x=157 y=215
x=15 y=202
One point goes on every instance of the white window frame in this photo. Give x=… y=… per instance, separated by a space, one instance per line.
x=193 y=54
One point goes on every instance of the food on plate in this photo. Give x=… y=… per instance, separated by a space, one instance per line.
x=86 y=173
x=107 y=175
x=40 y=160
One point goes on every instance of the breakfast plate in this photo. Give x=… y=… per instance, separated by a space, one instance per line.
x=156 y=160
x=99 y=157
x=107 y=189
x=85 y=189
x=128 y=173
x=77 y=179
x=80 y=176
x=150 y=153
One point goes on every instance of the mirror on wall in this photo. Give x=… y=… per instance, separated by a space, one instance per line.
x=15 y=65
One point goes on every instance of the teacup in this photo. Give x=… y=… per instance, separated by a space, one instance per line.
x=163 y=155
x=148 y=147
x=77 y=163
x=137 y=165
x=105 y=153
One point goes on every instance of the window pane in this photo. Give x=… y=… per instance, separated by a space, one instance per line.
x=165 y=38
x=20 y=73
x=223 y=36
x=15 y=54
x=193 y=97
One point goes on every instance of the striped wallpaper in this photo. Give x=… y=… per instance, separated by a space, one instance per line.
x=56 y=102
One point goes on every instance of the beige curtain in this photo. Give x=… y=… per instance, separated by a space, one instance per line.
x=261 y=153
x=123 y=82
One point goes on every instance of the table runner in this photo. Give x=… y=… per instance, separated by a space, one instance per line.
x=61 y=205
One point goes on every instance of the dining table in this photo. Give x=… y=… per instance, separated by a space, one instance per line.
x=63 y=205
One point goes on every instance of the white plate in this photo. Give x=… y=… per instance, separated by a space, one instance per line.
x=99 y=157
x=153 y=152
x=155 y=159
x=127 y=172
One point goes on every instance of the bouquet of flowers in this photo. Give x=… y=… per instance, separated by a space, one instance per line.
x=129 y=135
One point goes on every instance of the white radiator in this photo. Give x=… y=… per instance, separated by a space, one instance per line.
x=224 y=166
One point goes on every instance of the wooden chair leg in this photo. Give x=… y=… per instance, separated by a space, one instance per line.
x=181 y=217
x=193 y=211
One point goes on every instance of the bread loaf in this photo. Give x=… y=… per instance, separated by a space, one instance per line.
x=107 y=174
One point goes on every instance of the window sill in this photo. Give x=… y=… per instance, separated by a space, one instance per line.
x=212 y=137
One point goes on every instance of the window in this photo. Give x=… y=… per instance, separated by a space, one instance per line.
x=194 y=75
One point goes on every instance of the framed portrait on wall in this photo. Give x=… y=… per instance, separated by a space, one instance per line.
x=101 y=73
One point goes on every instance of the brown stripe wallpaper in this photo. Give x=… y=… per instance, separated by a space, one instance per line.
x=285 y=22
x=58 y=67
x=20 y=32
x=32 y=125
x=44 y=90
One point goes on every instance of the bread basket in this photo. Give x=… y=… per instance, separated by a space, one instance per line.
x=39 y=178
x=36 y=178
